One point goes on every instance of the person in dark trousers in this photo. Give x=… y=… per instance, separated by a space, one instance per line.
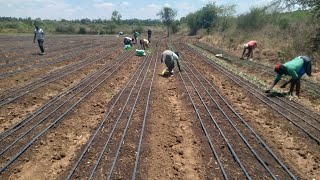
x=144 y=44
x=149 y=35
x=250 y=46
x=169 y=57
x=295 y=68
x=39 y=35
x=127 y=41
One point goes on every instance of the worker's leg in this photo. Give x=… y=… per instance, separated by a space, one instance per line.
x=40 y=43
x=250 y=53
x=169 y=63
x=292 y=84
x=244 y=50
x=298 y=84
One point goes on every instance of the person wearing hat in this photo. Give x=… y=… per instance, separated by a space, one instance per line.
x=169 y=57
x=39 y=35
x=250 y=46
x=295 y=68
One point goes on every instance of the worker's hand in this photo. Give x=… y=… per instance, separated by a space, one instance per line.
x=34 y=41
x=267 y=91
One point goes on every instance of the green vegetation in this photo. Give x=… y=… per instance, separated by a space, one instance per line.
x=167 y=16
x=283 y=29
x=82 y=26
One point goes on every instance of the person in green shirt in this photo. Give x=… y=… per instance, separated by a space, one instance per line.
x=136 y=35
x=295 y=68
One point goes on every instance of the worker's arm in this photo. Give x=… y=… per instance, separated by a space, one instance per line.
x=286 y=83
x=274 y=83
x=34 y=38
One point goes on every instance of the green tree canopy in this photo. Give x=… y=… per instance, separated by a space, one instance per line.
x=116 y=17
x=167 y=16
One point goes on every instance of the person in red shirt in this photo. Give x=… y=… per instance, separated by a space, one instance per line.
x=250 y=46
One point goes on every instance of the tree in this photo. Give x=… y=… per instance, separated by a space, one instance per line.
x=208 y=16
x=225 y=16
x=116 y=17
x=314 y=6
x=167 y=16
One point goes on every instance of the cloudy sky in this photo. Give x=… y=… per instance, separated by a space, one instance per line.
x=94 y=9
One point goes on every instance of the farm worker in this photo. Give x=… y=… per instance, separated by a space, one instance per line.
x=295 y=68
x=149 y=35
x=144 y=43
x=135 y=35
x=169 y=57
x=127 y=41
x=39 y=35
x=250 y=46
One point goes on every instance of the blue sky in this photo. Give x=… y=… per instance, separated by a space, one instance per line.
x=94 y=9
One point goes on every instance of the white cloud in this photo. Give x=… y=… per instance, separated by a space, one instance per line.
x=103 y=5
x=166 y=5
x=124 y=3
x=153 y=6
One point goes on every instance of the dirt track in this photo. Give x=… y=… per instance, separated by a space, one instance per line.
x=90 y=109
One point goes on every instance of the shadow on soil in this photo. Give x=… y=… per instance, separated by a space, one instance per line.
x=277 y=94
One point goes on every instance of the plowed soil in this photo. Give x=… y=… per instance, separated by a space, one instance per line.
x=174 y=145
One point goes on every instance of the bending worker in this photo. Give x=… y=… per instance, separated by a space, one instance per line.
x=144 y=44
x=169 y=57
x=250 y=46
x=127 y=41
x=295 y=68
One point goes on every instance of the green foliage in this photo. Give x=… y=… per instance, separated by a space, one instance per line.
x=205 y=18
x=208 y=17
x=225 y=17
x=139 y=28
x=82 y=30
x=167 y=16
x=116 y=17
x=175 y=27
x=192 y=23
x=255 y=19
x=95 y=26
x=284 y=23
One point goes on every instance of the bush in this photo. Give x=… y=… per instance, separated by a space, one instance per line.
x=284 y=23
x=255 y=19
x=82 y=30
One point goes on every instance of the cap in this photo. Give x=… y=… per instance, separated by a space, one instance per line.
x=277 y=68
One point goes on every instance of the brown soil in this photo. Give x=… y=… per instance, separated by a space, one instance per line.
x=174 y=144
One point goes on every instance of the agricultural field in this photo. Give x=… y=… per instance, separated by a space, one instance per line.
x=89 y=109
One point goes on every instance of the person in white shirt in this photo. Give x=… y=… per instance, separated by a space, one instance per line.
x=39 y=35
x=127 y=41
x=144 y=44
x=169 y=57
